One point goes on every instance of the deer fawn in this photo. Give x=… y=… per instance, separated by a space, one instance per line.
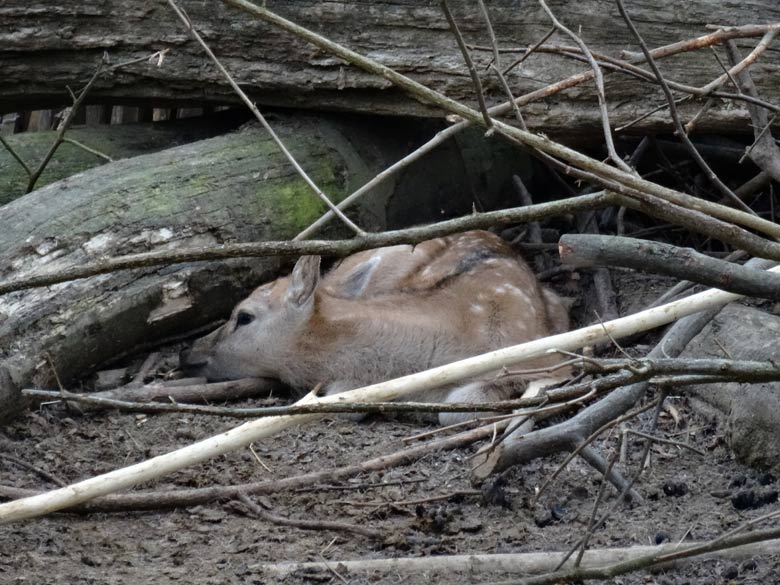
x=386 y=313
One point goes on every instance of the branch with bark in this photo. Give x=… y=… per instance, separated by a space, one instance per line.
x=586 y=250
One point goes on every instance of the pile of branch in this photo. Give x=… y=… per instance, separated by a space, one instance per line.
x=737 y=225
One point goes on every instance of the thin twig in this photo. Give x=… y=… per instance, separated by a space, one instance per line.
x=592 y=437
x=415 y=502
x=469 y=64
x=14 y=154
x=88 y=149
x=679 y=444
x=599 y=79
x=66 y=123
x=630 y=68
x=528 y=52
x=649 y=113
x=628 y=489
x=497 y=65
x=767 y=127
x=308 y=524
x=759 y=49
x=266 y=411
x=596 y=504
x=34 y=468
x=321 y=247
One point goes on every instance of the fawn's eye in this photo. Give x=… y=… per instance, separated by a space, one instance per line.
x=244 y=318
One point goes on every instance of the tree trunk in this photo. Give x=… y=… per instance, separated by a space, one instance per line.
x=231 y=188
x=117 y=141
x=49 y=45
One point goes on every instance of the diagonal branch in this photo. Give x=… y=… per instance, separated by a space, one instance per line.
x=764 y=150
x=322 y=247
x=599 y=78
x=469 y=64
x=554 y=88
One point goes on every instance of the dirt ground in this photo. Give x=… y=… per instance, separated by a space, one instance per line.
x=687 y=497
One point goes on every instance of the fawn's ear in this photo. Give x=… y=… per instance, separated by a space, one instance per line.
x=356 y=282
x=303 y=281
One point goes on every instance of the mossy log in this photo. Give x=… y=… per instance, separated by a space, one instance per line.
x=116 y=141
x=47 y=45
x=232 y=188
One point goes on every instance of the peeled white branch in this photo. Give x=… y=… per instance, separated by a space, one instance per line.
x=258 y=429
x=534 y=563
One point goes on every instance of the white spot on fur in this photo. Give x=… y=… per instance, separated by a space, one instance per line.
x=515 y=291
x=477 y=309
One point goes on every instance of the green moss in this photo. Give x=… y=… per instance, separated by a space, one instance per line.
x=296 y=205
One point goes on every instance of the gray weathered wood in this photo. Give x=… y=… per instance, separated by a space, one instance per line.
x=47 y=45
x=750 y=412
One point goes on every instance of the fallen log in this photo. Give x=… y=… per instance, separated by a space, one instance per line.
x=412 y=37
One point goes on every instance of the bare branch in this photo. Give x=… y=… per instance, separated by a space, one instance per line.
x=599 y=78
x=603 y=172
x=469 y=64
x=321 y=247
x=64 y=125
x=16 y=156
x=658 y=258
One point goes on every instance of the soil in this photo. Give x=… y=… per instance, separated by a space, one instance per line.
x=686 y=497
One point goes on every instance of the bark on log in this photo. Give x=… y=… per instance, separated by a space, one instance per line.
x=230 y=188
x=47 y=45
x=117 y=141
x=580 y=250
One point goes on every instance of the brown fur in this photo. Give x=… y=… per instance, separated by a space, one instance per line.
x=386 y=313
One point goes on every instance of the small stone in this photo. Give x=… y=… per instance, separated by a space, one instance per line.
x=750 y=499
x=558 y=512
x=661 y=537
x=748 y=565
x=543 y=518
x=738 y=481
x=675 y=489
x=730 y=572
